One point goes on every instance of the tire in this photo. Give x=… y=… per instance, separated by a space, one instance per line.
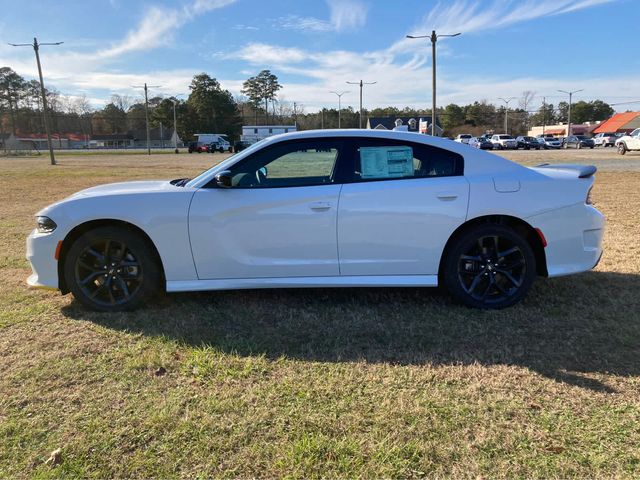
x=622 y=148
x=473 y=280
x=111 y=269
x=221 y=150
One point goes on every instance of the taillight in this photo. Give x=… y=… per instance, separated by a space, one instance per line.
x=589 y=201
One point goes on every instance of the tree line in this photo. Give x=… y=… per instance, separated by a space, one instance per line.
x=211 y=108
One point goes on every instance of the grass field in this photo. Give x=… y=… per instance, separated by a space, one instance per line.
x=319 y=383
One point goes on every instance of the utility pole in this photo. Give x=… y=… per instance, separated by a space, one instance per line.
x=36 y=48
x=569 y=113
x=339 y=104
x=322 y=119
x=146 y=111
x=544 y=114
x=506 y=112
x=361 y=83
x=295 y=115
x=434 y=39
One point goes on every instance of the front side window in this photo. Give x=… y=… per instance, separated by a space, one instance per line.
x=288 y=164
x=380 y=159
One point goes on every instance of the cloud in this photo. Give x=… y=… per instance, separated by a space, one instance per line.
x=347 y=14
x=468 y=16
x=343 y=15
x=156 y=28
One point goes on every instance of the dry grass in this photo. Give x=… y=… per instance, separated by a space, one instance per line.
x=310 y=383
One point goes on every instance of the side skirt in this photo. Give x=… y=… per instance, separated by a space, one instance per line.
x=304 y=282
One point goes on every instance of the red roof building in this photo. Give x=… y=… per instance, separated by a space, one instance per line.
x=620 y=123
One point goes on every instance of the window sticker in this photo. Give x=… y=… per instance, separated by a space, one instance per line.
x=386 y=162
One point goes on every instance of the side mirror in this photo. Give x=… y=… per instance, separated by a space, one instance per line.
x=224 y=179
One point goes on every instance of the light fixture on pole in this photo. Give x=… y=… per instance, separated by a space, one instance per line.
x=569 y=112
x=361 y=83
x=146 y=111
x=339 y=104
x=506 y=112
x=434 y=39
x=36 y=48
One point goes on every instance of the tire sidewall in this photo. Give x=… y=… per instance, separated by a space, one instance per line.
x=450 y=270
x=140 y=248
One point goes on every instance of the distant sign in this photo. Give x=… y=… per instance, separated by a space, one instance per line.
x=386 y=162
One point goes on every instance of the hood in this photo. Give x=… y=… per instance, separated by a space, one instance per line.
x=145 y=186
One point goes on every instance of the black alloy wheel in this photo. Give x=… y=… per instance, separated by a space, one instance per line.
x=490 y=266
x=111 y=269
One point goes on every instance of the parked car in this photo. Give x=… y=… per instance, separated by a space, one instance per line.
x=221 y=145
x=277 y=214
x=503 y=142
x=463 y=138
x=241 y=145
x=527 y=143
x=198 y=148
x=481 y=143
x=551 y=142
x=605 y=139
x=629 y=142
x=578 y=141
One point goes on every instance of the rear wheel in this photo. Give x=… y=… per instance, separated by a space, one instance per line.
x=111 y=269
x=490 y=267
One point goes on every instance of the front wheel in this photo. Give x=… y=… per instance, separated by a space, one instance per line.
x=622 y=148
x=489 y=267
x=111 y=269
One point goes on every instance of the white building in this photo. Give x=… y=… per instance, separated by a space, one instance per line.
x=253 y=133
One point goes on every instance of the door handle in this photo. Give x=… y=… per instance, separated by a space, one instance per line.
x=447 y=196
x=319 y=206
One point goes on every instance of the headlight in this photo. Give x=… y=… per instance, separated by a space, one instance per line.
x=45 y=225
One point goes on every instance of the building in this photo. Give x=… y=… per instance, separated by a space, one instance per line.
x=407 y=124
x=560 y=130
x=254 y=133
x=620 y=123
x=111 y=140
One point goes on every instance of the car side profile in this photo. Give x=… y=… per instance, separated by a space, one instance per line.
x=329 y=208
x=628 y=142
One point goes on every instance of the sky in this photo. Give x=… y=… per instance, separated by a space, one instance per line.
x=316 y=46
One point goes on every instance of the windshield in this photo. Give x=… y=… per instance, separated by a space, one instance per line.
x=465 y=136
x=582 y=137
x=227 y=161
x=505 y=137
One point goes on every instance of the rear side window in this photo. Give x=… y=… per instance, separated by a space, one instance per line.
x=380 y=159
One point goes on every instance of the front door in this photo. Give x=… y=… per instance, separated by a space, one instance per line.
x=277 y=220
x=405 y=201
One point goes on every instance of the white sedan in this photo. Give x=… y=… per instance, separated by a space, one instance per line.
x=341 y=208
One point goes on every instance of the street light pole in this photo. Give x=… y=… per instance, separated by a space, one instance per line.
x=339 y=104
x=36 y=48
x=434 y=39
x=361 y=83
x=569 y=112
x=146 y=111
x=506 y=112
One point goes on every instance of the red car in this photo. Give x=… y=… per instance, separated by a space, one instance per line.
x=194 y=147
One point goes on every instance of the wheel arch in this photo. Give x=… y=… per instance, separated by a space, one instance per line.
x=84 y=227
x=520 y=226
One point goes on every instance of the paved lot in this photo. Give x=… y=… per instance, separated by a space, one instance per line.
x=606 y=159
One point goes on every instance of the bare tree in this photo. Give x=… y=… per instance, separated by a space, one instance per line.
x=123 y=102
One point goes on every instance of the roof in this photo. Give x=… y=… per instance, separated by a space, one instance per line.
x=620 y=121
x=113 y=136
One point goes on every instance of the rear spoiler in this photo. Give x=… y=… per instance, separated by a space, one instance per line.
x=584 y=171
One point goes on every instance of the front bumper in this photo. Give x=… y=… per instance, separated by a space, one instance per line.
x=574 y=238
x=41 y=251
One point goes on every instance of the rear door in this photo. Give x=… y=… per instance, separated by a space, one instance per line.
x=403 y=203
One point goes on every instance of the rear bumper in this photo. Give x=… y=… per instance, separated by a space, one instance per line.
x=574 y=238
x=41 y=250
